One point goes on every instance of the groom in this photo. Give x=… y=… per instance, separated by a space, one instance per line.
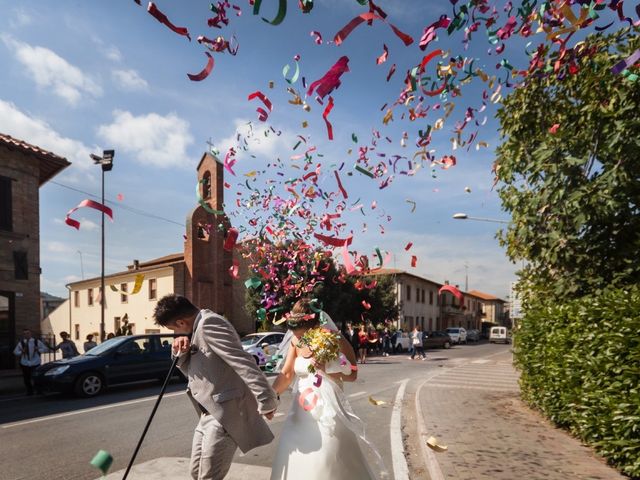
x=228 y=390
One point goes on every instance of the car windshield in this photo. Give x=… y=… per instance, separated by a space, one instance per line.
x=251 y=340
x=106 y=345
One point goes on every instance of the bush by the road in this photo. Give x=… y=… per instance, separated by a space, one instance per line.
x=580 y=364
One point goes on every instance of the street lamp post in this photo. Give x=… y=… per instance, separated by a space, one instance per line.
x=106 y=162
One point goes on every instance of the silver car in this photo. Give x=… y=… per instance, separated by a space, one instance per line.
x=262 y=346
x=458 y=335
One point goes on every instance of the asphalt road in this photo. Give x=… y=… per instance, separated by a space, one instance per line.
x=56 y=436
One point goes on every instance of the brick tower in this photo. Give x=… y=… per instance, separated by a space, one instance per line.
x=207 y=280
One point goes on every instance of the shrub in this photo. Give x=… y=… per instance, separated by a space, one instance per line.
x=580 y=364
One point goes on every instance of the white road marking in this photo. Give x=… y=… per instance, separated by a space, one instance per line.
x=473 y=387
x=357 y=394
x=87 y=410
x=400 y=467
x=481 y=361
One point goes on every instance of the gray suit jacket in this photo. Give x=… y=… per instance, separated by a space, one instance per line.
x=226 y=381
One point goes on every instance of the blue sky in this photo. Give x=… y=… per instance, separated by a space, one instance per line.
x=82 y=76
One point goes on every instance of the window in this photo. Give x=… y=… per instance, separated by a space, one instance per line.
x=423 y=295
x=430 y=297
x=6 y=204
x=76 y=298
x=408 y=292
x=116 y=324
x=20 y=266
x=123 y=295
x=153 y=289
x=90 y=296
x=76 y=331
x=206 y=185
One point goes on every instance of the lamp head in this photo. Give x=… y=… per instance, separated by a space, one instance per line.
x=460 y=216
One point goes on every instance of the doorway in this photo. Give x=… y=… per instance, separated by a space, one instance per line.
x=7 y=330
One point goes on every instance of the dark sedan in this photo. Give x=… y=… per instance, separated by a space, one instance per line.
x=115 y=361
x=437 y=339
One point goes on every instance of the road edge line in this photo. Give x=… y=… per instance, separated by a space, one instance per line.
x=398 y=457
x=433 y=467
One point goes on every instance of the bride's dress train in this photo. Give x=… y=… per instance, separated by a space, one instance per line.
x=320 y=438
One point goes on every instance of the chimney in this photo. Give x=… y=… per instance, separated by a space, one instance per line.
x=136 y=264
x=446 y=282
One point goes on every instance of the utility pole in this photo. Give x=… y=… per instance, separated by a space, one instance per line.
x=466 y=276
x=81 y=265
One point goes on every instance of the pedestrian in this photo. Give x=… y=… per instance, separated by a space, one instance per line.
x=372 y=339
x=351 y=336
x=386 y=341
x=67 y=346
x=110 y=336
x=89 y=344
x=416 y=342
x=362 y=344
x=227 y=389
x=28 y=351
x=394 y=340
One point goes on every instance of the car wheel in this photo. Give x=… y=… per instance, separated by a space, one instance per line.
x=447 y=345
x=89 y=384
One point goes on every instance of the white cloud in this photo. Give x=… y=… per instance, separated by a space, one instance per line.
x=71 y=278
x=21 y=125
x=58 y=247
x=153 y=139
x=264 y=146
x=51 y=71
x=112 y=53
x=20 y=18
x=129 y=80
x=86 y=224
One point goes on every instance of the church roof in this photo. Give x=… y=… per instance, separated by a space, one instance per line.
x=50 y=164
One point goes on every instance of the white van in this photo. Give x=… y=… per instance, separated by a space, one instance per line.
x=498 y=334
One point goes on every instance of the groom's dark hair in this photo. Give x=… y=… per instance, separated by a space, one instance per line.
x=173 y=307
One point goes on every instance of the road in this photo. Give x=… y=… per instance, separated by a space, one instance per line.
x=60 y=434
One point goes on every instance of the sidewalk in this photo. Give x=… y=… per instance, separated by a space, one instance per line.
x=178 y=469
x=475 y=410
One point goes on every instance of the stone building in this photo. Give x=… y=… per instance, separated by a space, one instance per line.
x=24 y=168
x=201 y=273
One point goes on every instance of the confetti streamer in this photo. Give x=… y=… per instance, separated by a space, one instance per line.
x=162 y=18
x=233 y=269
x=342 y=190
x=318 y=37
x=385 y=54
x=432 y=443
x=277 y=20
x=103 y=459
x=626 y=63
x=330 y=80
x=408 y=246
x=262 y=113
x=88 y=204
x=333 y=241
x=413 y=205
x=137 y=286
x=325 y=114
x=368 y=17
x=377 y=403
x=231 y=239
x=392 y=70
x=453 y=290
x=198 y=77
x=204 y=204
x=414 y=261
x=294 y=78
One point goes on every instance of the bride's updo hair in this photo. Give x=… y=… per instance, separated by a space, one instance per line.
x=302 y=315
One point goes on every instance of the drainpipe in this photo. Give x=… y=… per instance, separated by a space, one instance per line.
x=70 y=322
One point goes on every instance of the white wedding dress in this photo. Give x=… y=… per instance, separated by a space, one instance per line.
x=320 y=438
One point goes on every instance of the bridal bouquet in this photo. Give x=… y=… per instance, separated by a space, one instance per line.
x=324 y=345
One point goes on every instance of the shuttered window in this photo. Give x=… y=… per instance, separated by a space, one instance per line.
x=20 y=265
x=6 y=204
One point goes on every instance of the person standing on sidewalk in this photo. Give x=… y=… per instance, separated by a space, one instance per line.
x=386 y=341
x=416 y=342
x=67 y=346
x=89 y=344
x=28 y=351
x=362 y=344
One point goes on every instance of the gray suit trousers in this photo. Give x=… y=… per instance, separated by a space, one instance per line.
x=212 y=450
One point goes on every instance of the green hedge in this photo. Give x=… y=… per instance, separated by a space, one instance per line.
x=580 y=364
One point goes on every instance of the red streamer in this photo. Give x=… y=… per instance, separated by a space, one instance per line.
x=162 y=18
x=325 y=114
x=198 y=77
x=262 y=113
x=330 y=80
x=89 y=204
x=368 y=17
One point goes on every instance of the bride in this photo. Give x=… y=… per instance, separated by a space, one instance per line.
x=320 y=438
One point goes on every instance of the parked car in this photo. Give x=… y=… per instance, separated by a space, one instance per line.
x=473 y=335
x=498 y=334
x=262 y=345
x=437 y=339
x=403 y=342
x=458 y=335
x=118 y=360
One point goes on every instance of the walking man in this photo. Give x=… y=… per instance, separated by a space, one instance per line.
x=228 y=390
x=28 y=351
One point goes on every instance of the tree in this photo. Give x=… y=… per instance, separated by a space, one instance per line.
x=569 y=171
x=296 y=271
